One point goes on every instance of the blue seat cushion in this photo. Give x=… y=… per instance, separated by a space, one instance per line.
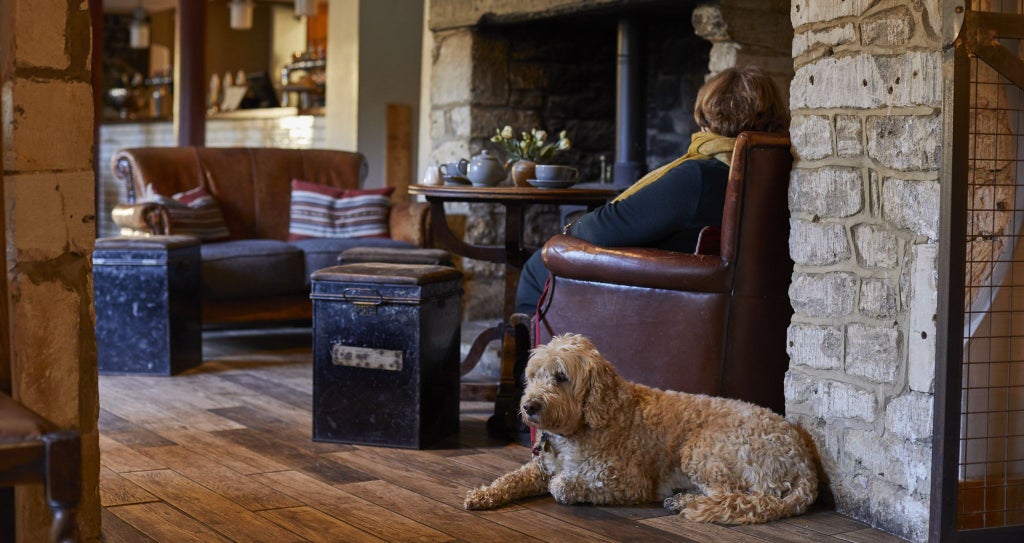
x=323 y=252
x=252 y=268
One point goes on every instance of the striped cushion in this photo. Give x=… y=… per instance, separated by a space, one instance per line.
x=196 y=213
x=318 y=211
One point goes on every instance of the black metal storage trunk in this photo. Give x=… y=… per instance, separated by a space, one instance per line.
x=148 y=313
x=386 y=353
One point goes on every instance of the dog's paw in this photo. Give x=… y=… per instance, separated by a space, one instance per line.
x=480 y=498
x=680 y=501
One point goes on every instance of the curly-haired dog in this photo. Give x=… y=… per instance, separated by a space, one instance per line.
x=608 y=441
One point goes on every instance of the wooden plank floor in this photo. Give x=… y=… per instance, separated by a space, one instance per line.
x=223 y=453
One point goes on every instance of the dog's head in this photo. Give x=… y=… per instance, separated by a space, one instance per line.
x=569 y=385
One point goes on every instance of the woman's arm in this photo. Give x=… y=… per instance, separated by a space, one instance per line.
x=653 y=213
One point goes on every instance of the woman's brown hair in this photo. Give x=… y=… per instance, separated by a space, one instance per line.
x=740 y=99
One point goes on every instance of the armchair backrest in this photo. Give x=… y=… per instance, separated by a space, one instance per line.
x=252 y=185
x=755 y=220
x=702 y=323
x=755 y=234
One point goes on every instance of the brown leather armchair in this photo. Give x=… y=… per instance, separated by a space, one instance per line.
x=702 y=323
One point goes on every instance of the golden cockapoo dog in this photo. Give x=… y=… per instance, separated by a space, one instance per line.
x=604 y=440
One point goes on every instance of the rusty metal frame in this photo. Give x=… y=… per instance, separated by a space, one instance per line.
x=978 y=38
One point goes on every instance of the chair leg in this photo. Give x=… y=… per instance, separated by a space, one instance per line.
x=63 y=483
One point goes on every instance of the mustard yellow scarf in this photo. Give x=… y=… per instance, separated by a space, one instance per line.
x=703 y=145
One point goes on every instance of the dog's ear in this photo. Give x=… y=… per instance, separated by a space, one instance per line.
x=603 y=389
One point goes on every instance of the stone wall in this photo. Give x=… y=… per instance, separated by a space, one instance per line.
x=48 y=232
x=867 y=101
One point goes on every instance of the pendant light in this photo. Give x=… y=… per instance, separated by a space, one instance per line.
x=241 y=14
x=305 y=7
x=138 y=29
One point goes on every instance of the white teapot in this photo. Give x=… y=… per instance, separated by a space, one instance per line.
x=485 y=170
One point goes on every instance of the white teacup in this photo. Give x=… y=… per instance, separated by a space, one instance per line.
x=552 y=172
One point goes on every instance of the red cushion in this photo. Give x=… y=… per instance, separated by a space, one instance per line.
x=318 y=211
x=195 y=213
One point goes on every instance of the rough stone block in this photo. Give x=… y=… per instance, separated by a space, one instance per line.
x=815 y=11
x=823 y=295
x=888 y=457
x=818 y=243
x=43 y=42
x=818 y=347
x=54 y=308
x=723 y=55
x=866 y=81
x=490 y=71
x=923 y=308
x=849 y=136
x=438 y=123
x=451 y=76
x=50 y=214
x=830 y=37
x=449 y=150
x=877 y=246
x=708 y=23
x=799 y=389
x=830 y=399
x=905 y=142
x=51 y=128
x=459 y=120
x=878 y=298
x=832 y=192
x=893 y=27
x=873 y=352
x=485 y=120
x=932 y=15
x=885 y=505
x=811 y=136
x=910 y=416
x=913 y=205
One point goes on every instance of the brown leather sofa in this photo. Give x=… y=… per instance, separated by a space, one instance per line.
x=257 y=275
x=702 y=323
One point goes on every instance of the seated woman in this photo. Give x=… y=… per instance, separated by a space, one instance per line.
x=667 y=208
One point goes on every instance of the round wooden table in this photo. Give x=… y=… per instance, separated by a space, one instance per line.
x=513 y=255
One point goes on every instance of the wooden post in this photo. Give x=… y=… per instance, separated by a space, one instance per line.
x=190 y=73
x=398 y=150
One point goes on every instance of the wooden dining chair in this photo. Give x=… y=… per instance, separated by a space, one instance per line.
x=32 y=450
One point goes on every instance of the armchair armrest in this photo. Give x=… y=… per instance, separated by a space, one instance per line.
x=574 y=258
x=141 y=219
x=410 y=222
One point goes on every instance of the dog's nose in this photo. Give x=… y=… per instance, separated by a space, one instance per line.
x=531 y=408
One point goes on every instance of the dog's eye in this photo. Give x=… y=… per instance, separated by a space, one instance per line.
x=560 y=377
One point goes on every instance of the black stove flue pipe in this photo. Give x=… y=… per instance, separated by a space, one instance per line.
x=630 y=153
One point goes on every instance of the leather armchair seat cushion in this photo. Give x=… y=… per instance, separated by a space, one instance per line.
x=252 y=268
x=323 y=252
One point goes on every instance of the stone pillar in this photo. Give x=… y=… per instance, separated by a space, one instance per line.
x=867 y=100
x=48 y=229
x=748 y=32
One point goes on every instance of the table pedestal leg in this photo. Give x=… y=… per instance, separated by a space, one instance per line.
x=515 y=348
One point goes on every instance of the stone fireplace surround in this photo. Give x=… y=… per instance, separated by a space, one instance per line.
x=552 y=65
x=864 y=80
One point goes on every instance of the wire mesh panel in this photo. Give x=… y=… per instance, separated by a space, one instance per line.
x=991 y=452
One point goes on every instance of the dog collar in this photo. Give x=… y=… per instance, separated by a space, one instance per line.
x=540 y=445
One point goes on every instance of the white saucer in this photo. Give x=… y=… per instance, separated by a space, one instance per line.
x=551 y=184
